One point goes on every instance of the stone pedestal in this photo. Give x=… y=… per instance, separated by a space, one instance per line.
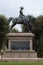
x=20 y=38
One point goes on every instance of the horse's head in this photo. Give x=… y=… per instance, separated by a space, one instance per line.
x=30 y=19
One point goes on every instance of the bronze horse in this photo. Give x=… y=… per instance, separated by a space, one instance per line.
x=27 y=20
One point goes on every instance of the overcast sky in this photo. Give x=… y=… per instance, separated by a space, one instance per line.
x=10 y=8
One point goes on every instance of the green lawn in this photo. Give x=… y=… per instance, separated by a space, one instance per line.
x=21 y=63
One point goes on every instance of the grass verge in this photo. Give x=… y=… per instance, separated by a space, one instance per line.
x=21 y=63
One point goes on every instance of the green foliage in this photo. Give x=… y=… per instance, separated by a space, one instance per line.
x=3 y=29
x=15 y=30
x=38 y=39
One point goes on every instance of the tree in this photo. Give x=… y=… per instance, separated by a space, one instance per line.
x=4 y=28
x=38 y=39
x=15 y=30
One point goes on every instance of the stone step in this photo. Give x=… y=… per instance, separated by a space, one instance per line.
x=21 y=59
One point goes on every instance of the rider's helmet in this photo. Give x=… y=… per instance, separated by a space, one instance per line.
x=21 y=8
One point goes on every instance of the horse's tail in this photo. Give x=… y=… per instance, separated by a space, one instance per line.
x=10 y=19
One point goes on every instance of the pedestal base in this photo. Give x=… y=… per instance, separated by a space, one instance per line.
x=21 y=43
x=20 y=54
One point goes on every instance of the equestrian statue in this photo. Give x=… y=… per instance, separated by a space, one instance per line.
x=22 y=19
